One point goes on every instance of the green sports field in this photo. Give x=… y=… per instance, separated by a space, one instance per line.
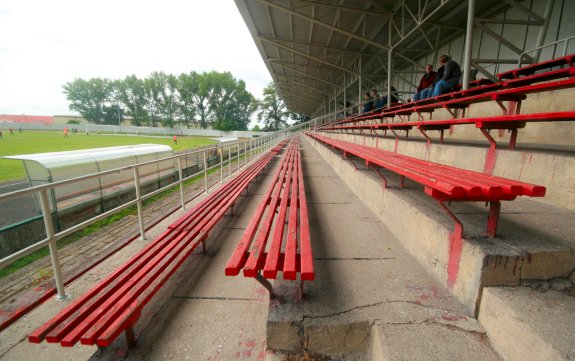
x=29 y=142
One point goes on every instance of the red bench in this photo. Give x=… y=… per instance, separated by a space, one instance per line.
x=532 y=68
x=443 y=183
x=511 y=122
x=277 y=238
x=115 y=304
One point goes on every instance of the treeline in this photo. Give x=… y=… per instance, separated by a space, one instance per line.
x=206 y=99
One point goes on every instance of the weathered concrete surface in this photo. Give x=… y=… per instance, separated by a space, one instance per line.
x=535 y=241
x=429 y=342
x=364 y=277
x=529 y=325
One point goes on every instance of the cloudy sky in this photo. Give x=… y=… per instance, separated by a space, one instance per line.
x=44 y=44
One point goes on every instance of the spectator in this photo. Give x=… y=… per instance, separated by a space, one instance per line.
x=368 y=103
x=427 y=81
x=450 y=78
x=378 y=101
x=65 y=131
x=175 y=139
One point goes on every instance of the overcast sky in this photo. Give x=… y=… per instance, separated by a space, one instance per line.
x=44 y=44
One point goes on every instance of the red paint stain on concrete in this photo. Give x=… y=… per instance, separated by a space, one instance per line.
x=490 y=161
x=247 y=353
x=251 y=343
x=455 y=248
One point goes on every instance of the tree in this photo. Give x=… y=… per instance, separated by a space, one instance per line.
x=299 y=117
x=132 y=94
x=90 y=98
x=186 y=105
x=272 y=110
x=168 y=101
x=154 y=86
x=230 y=104
x=200 y=92
x=256 y=128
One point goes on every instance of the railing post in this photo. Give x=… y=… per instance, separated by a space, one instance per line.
x=206 y=171
x=181 y=174
x=52 y=243
x=139 y=203
x=238 y=156
x=245 y=153
x=230 y=160
x=221 y=164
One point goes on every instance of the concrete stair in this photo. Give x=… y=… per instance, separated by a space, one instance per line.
x=525 y=324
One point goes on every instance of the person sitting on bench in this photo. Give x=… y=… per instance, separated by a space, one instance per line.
x=427 y=81
x=450 y=78
x=368 y=103
x=381 y=100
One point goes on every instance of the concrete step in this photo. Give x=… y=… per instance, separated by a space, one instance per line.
x=524 y=324
x=534 y=240
x=454 y=339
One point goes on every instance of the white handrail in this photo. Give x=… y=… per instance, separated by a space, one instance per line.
x=259 y=145
x=564 y=40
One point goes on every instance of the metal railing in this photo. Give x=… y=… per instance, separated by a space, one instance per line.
x=565 y=42
x=252 y=149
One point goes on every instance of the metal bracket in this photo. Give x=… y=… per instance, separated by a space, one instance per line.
x=265 y=283
x=493 y=218
x=425 y=135
x=492 y=142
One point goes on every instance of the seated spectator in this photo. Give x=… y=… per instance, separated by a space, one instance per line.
x=381 y=101
x=427 y=81
x=450 y=78
x=368 y=103
x=426 y=93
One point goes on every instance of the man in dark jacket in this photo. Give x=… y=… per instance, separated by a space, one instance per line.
x=450 y=78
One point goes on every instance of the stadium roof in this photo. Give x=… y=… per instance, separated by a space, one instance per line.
x=313 y=47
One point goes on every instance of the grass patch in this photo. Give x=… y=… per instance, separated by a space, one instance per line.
x=30 y=142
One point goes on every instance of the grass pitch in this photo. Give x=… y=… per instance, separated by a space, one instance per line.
x=29 y=142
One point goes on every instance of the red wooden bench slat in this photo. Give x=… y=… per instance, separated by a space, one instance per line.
x=442 y=178
x=240 y=254
x=130 y=287
x=290 y=259
x=108 y=335
x=282 y=200
x=306 y=253
x=258 y=247
x=88 y=301
x=114 y=303
x=271 y=264
x=530 y=69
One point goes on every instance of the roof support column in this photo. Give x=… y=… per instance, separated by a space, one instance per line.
x=360 y=99
x=468 y=43
x=389 y=64
x=543 y=29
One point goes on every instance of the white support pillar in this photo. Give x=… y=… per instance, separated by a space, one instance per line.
x=468 y=43
x=543 y=29
x=389 y=62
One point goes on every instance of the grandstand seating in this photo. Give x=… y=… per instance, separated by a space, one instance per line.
x=288 y=249
x=514 y=86
x=443 y=183
x=115 y=304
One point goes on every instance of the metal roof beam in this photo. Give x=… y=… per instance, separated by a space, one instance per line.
x=347 y=8
x=303 y=73
x=306 y=55
x=340 y=50
x=324 y=24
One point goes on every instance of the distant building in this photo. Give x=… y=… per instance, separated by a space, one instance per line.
x=37 y=119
